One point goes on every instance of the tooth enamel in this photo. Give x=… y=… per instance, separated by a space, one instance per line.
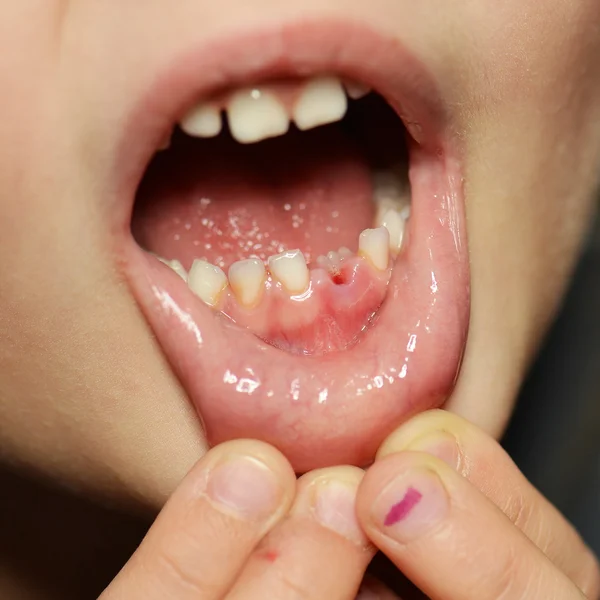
x=247 y=278
x=323 y=262
x=207 y=281
x=255 y=115
x=356 y=90
x=322 y=101
x=374 y=245
x=289 y=268
x=392 y=220
x=345 y=252
x=174 y=265
x=202 y=121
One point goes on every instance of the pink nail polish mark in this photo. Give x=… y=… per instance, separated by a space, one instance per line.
x=401 y=510
x=269 y=555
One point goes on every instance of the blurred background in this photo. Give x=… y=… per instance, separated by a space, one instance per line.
x=66 y=547
x=554 y=435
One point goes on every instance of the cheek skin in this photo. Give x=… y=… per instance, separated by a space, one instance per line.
x=532 y=133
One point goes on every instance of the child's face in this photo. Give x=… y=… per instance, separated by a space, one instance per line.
x=105 y=352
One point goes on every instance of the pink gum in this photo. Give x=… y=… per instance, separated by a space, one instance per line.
x=330 y=316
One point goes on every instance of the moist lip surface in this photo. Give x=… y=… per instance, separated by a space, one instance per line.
x=334 y=406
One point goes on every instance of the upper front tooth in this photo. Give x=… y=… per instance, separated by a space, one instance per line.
x=392 y=220
x=255 y=115
x=356 y=90
x=207 y=281
x=203 y=120
x=290 y=269
x=374 y=245
x=247 y=278
x=322 y=101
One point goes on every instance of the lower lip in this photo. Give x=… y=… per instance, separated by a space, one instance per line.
x=336 y=408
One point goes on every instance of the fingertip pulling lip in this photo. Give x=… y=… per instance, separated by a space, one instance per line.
x=335 y=409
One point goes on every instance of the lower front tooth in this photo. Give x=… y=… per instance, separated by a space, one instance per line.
x=392 y=220
x=374 y=245
x=207 y=281
x=176 y=266
x=247 y=278
x=290 y=269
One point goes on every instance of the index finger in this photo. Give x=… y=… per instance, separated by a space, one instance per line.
x=209 y=527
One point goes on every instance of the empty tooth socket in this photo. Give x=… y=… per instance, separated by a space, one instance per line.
x=203 y=121
x=255 y=115
x=207 y=282
x=290 y=269
x=322 y=101
x=247 y=280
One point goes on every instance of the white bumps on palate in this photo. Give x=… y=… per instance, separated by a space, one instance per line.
x=256 y=115
x=374 y=246
x=207 y=281
x=322 y=101
x=247 y=278
x=290 y=269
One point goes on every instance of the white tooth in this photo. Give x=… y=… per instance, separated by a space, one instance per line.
x=345 y=252
x=322 y=101
x=334 y=257
x=356 y=90
x=203 y=121
x=392 y=220
x=255 y=115
x=323 y=262
x=207 y=281
x=176 y=266
x=374 y=245
x=290 y=269
x=247 y=278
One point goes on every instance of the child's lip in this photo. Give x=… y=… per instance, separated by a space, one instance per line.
x=338 y=410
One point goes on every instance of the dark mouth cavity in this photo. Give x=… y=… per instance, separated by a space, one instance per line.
x=315 y=190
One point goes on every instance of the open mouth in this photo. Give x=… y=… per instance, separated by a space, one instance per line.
x=295 y=237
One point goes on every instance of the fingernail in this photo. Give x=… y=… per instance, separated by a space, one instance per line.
x=246 y=486
x=410 y=505
x=334 y=507
x=440 y=444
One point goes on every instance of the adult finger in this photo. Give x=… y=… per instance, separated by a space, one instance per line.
x=209 y=527
x=319 y=552
x=448 y=538
x=482 y=460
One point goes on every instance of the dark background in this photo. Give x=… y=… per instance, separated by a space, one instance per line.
x=554 y=435
x=65 y=547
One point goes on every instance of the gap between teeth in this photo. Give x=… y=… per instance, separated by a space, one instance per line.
x=257 y=113
x=247 y=278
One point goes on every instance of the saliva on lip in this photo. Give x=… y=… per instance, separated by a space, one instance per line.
x=308 y=311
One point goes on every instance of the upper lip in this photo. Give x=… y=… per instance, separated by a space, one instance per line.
x=438 y=275
x=386 y=66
